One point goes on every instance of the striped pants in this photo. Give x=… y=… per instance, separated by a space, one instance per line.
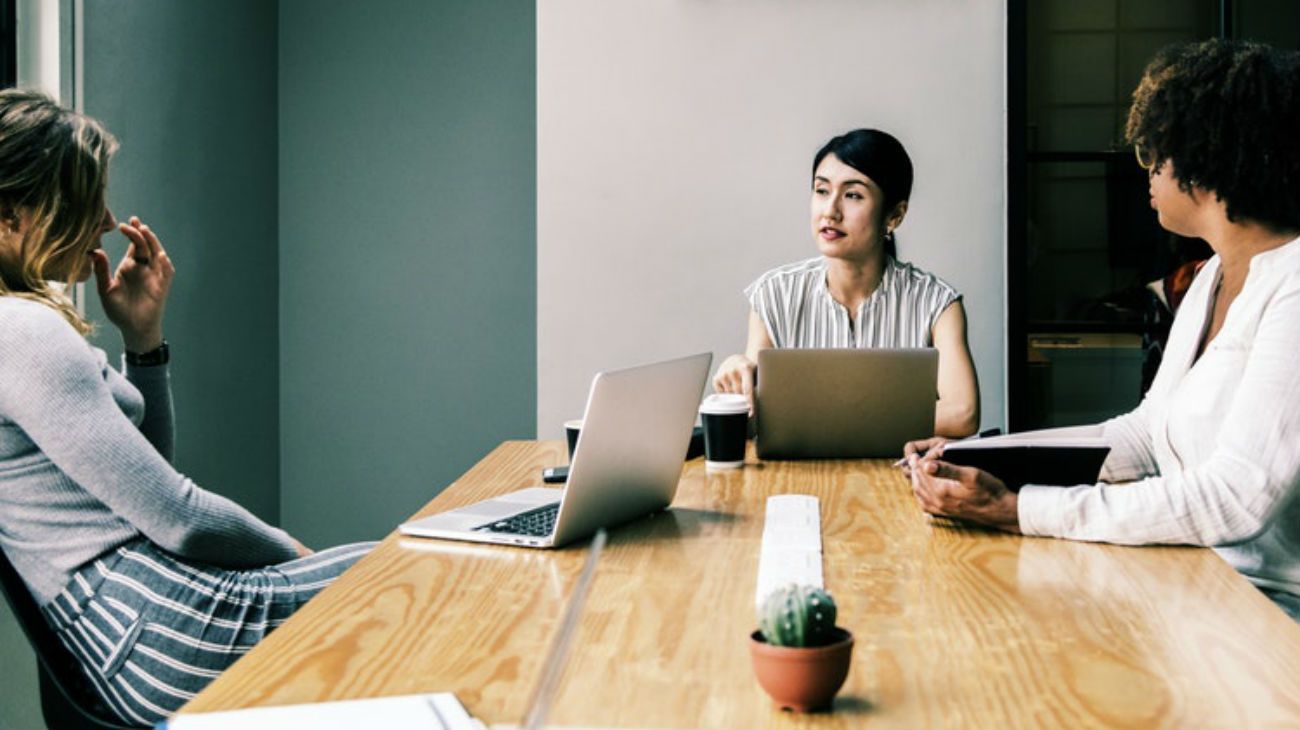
x=1288 y=602
x=150 y=631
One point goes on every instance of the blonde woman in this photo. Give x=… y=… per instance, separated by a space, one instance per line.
x=153 y=584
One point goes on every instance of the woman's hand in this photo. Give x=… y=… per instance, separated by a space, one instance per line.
x=303 y=550
x=736 y=375
x=920 y=448
x=135 y=295
x=963 y=492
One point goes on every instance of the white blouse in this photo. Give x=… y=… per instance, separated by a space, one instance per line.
x=1213 y=451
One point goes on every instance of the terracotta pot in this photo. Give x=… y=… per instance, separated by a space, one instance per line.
x=802 y=678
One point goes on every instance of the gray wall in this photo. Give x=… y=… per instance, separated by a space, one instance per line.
x=674 y=148
x=407 y=257
x=189 y=88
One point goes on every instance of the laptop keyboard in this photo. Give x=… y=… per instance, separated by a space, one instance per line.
x=539 y=522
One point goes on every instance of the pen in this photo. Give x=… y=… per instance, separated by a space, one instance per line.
x=980 y=435
x=903 y=461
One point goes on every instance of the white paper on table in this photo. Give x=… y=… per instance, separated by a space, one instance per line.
x=403 y=712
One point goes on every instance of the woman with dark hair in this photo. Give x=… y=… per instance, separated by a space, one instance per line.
x=1212 y=454
x=153 y=584
x=857 y=293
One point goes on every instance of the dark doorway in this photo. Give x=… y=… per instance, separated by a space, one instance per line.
x=8 y=44
x=1092 y=278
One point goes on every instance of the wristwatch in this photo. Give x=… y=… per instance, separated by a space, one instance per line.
x=159 y=355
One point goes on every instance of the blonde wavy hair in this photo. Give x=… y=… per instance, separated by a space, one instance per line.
x=54 y=169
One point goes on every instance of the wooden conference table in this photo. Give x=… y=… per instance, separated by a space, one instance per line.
x=956 y=627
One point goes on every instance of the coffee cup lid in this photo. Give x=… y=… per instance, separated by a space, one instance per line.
x=723 y=404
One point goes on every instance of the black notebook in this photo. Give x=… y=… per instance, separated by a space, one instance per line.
x=1032 y=458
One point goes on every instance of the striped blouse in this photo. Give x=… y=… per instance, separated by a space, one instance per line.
x=799 y=311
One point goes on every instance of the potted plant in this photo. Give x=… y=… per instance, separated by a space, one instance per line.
x=800 y=656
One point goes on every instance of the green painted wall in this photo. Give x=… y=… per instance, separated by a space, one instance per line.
x=407 y=253
x=189 y=89
x=348 y=191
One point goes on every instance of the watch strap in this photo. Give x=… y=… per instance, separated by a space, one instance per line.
x=159 y=355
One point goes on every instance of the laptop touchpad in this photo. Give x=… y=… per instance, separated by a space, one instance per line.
x=510 y=504
x=491 y=510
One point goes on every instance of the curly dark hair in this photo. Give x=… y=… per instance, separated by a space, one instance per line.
x=1227 y=114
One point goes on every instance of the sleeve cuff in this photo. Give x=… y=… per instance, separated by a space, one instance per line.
x=143 y=369
x=1039 y=511
x=139 y=374
x=287 y=544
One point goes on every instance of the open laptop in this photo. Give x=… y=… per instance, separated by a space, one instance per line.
x=843 y=403
x=628 y=460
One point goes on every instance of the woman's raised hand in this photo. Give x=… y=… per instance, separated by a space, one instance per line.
x=135 y=295
x=736 y=375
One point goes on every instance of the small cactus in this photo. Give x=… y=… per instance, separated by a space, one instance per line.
x=797 y=616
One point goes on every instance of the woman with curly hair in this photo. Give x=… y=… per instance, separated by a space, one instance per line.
x=153 y=584
x=1212 y=454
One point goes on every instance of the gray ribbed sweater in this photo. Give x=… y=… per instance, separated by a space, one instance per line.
x=85 y=462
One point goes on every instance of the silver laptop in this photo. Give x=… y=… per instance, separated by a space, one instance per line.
x=627 y=463
x=843 y=403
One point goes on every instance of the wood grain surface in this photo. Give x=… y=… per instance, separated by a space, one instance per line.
x=956 y=627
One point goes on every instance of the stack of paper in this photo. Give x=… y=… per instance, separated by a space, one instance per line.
x=792 y=545
x=440 y=711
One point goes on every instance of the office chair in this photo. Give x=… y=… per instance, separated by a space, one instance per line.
x=66 y=700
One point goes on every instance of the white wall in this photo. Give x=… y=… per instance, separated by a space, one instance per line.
x=40 y=50
x=675 y=141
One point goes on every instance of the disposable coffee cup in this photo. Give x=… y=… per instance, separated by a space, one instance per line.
x=571 y=431
x=726 y=420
